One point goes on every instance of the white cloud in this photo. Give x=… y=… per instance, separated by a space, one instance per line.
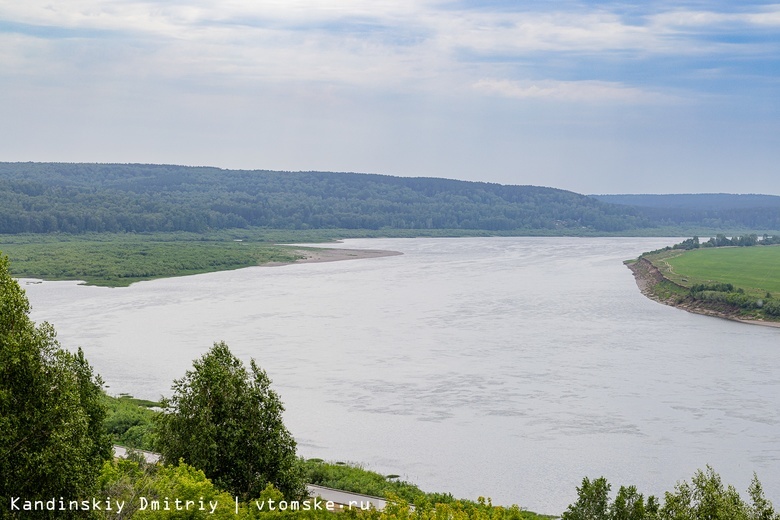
x=381 y=44
x=570 y=91
x=768 y=16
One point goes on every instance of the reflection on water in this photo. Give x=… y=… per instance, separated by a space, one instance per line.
x=502 y=367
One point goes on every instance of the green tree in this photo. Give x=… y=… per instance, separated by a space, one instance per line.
x=592 y=501
x=705 y=498
x=761 y=508
x=629 y=504
x=52 y=439
x=227 y=421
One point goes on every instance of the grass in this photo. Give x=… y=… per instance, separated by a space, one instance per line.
x=119 y=260
x=754 y=269
x=354 y=478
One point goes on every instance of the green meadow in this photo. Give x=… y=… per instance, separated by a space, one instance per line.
x=754 y=269
x=119 y=260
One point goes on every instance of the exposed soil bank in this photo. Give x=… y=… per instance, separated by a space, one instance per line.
x=648 y=276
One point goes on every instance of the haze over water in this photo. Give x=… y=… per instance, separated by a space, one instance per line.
x=501 y=367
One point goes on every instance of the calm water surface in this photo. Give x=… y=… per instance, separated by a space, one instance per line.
x=501 y=367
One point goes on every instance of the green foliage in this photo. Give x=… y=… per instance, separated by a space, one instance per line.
x=350 y=477
x=705 y=498
x=130 y=422
x=78 y=198
x=127 y=259
x=137 y=485
x=52 y=437
x=691 y=243
x=592 y=501
x=715 y=210
x=227 y=421
x=730 y=280
x=398 y=509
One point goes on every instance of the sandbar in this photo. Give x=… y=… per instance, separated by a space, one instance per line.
x=317 y=255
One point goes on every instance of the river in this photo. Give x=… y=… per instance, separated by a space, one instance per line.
x=501 y=367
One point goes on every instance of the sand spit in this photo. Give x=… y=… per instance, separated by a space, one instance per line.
x=317 y=255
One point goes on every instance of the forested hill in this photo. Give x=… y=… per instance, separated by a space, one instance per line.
x=713 y=210
x=76 y=198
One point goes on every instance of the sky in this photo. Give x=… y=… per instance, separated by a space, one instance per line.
x=589 y=96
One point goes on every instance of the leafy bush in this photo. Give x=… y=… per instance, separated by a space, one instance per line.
x=129 y=423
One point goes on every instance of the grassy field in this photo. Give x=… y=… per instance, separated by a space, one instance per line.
x=119 y=260
x=754 y=269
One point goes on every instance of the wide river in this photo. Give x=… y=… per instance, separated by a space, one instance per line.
x=500 y=367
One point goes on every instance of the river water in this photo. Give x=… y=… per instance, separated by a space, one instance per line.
x=500 y=367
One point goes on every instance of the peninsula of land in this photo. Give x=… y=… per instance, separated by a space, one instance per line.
x=654 y=285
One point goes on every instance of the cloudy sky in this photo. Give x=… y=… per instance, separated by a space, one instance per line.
x=591 y=96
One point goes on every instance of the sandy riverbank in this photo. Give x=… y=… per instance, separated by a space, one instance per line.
x=647 y=276
x=316 y=255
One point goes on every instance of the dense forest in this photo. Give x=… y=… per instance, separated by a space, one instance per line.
x=79 y=198
x=708 y=210
x=76 y=198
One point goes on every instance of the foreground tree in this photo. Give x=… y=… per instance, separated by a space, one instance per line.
x=52 y=440
x=227 y=421
x=592 y=501
x=705 y=498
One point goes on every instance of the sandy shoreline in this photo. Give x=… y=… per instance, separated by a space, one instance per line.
x=647 y=275
x=317 y=255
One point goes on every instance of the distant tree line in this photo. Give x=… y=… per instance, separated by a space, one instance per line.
x=721 y=240
x=78 y=198
x=710 y=210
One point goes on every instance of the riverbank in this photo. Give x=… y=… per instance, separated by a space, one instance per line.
x=120 y=260
x=654 y=285
x=312 y=255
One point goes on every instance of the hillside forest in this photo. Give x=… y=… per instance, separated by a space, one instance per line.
x=81 y=198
